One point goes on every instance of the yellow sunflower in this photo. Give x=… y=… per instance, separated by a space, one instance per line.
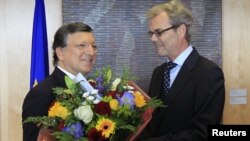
x=107 y=126
x=139 y=99
x=57 y=110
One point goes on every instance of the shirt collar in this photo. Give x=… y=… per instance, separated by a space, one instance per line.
x=71 y=76
x=183 y=56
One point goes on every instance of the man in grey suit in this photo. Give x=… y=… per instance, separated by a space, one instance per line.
x=74 y=51
x=193 y=90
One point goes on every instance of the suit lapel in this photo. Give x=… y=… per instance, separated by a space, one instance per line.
x=183 y=76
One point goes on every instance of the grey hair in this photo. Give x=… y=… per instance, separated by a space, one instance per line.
x=177 y=13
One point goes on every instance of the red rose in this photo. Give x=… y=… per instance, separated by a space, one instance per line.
x=102 y=108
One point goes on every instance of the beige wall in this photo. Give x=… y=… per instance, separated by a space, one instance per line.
x=236 y=58
x=15 y=45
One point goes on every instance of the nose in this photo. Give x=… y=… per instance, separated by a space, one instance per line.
x=153 y=38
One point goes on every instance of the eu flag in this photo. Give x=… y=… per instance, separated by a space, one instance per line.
x=39 y=57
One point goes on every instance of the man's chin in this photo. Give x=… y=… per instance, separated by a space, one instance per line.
x=86 y=69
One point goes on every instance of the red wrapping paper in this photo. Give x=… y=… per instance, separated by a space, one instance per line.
x=45 y=135
x=146 y=117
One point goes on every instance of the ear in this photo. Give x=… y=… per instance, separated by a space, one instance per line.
x=59 y=53
x=182 y=29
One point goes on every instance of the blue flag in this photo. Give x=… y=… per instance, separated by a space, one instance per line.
x=39 y=57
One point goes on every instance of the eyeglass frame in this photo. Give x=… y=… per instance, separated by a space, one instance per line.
x=158 y=32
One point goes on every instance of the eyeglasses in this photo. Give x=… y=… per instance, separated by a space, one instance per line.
x=159 y=32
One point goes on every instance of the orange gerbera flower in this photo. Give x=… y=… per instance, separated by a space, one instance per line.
x=139 y=99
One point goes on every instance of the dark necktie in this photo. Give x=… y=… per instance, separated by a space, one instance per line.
x=166 y=80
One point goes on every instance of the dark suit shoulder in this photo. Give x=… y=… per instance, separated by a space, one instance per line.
x=55 y=79
x=207 y=62
x=38 y=100
x=44 y=86
x=196 y=61
x=207 y=66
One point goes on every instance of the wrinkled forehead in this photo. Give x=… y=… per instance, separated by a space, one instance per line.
x=81 y=37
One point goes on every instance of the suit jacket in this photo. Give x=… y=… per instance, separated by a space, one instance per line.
x=196 y=100
x=38 y=100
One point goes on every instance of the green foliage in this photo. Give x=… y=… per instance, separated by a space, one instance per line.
x=124 y=111
x=43 y=121
x=106 y=73
x=127 y=75
x=154 y=103
x=70 y=84
x=108 y=76
x=63 y=136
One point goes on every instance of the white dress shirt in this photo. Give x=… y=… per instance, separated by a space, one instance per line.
x=179 y=61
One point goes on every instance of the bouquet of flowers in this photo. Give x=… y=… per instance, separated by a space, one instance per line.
x=103 y=107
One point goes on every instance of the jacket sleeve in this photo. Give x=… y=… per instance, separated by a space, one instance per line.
x=36 y=103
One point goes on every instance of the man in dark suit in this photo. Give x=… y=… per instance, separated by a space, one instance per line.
x=74 y=51
x=195 y=93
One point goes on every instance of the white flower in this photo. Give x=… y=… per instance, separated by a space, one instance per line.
x=90 y=98
x=84 y=103
x=84 y=113
x=86 y=94
x=115 y=83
